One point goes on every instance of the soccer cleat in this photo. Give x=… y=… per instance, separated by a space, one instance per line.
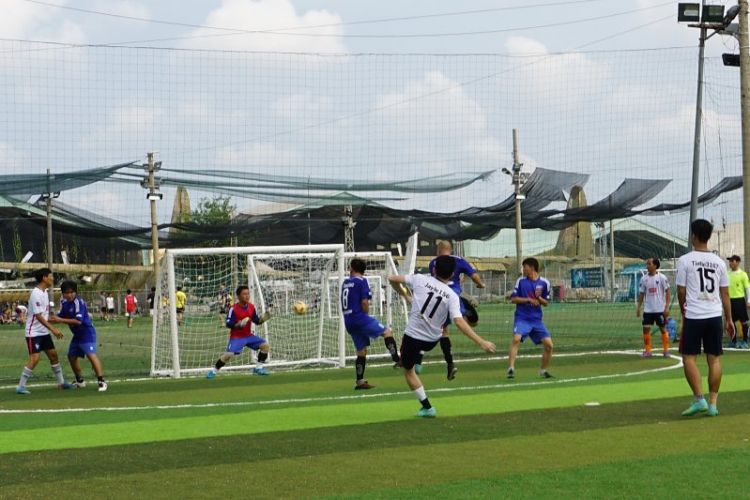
x=103 y=386
x=363 y=386
x=417 y=369
x=23 y=391
x=712 y=411
x=259 y=370
x=731 y=345
x=452 y=371
x=79 y=385
x=743 y=345
x=65 y=385
x=511 y=373
x=545 y=374
x=696 y=407
x=666 y=354
x=425 y=413
x=646 y=354
x=211 y=374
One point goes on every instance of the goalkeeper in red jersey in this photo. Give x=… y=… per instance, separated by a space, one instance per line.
x=241 y=335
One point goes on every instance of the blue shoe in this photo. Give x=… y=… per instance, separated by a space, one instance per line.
x=424 y=413
x=712 y=411
x=66 y=385
x=259 y=370
x=743 y=345
x=417 y=369
x=731 y=345
x=23 y=391
x=696 y=407
x=211 y=374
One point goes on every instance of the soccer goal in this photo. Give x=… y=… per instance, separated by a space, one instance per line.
x=191 y=341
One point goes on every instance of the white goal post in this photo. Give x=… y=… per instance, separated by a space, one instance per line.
x=277 y=277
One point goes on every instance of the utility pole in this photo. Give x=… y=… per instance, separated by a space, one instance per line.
x=698 y=123
x=48 y=196
x=745 y=109
x=151 y=184
x=349 y=224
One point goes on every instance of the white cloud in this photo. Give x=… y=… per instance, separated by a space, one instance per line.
x=122 y=8
x=299 y=105
x=257 y=15
x=26 y=20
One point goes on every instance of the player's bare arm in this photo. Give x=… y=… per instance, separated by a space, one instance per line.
x=397 y=283
x=641 y=296
x=57 y=333
x=477 y=280
x=667 y=300
x=726 y=304
x=67 y=321
x=681 y=294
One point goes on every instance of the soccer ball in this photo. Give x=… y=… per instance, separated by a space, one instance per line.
x=300 y=307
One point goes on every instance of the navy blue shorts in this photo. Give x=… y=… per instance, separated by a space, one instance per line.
x=361 y=333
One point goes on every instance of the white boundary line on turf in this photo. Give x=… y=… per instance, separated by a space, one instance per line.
x=360 y=396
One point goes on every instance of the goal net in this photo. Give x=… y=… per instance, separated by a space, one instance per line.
x=190 y=341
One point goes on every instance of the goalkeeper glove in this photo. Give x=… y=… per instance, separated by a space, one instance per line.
x=266 y=316
x=242 y=323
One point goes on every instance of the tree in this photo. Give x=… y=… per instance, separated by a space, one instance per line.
x=213 y=216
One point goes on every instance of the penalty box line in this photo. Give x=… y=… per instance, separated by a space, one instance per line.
x=350 y=397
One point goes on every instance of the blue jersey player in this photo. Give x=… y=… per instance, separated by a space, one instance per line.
x=463 y=268
x=355 y=304
x=73 y=312
x=530 y=294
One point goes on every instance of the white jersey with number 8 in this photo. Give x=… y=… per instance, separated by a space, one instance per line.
x=432 y=302
x=702 y=274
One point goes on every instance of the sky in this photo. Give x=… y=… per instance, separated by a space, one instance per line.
x=378 y=91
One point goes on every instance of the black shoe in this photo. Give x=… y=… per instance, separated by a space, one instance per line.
x=511 y=373
x=545 y=374
x=363 y=386
x=452 y=371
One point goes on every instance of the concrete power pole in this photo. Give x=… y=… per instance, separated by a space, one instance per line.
x=745 y=107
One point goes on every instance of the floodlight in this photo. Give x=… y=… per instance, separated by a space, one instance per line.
x=731 y=59
x=688 y=12
x=733 y=11
x=520 y=197
x=713 y=14
x=154 y=197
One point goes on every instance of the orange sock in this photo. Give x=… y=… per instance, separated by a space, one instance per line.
x=647 y=341
x=665 y=341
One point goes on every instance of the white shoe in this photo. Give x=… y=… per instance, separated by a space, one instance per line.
x=79 y=385
x=102 y=386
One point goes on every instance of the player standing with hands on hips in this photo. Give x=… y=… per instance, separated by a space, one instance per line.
x=432 y=301
x=703 y=292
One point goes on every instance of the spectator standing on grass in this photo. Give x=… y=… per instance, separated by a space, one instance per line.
x=37 y=334
x=654 y=290
x=110 y=307
x=703 y=292
x=130 y=306
x=150 y=299
x=103 y=306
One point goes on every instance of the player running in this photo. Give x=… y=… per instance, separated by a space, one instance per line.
x=241 y=335
x=75 y=314
x=530 y=294
x=467 y=310
x=432 y=301
x=654 y=289
x=355 y=302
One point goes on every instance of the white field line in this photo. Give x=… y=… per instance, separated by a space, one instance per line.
x=357 y=396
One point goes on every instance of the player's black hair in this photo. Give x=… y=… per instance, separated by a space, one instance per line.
x=128 y=291
x=240 y=289
x=702 y=229
x=39 y=274
x=179 y=288
x=531 y=261
x=444 y=266
x=69 y=286
x=358 y=265
x=153 y=288
x=656 y=262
